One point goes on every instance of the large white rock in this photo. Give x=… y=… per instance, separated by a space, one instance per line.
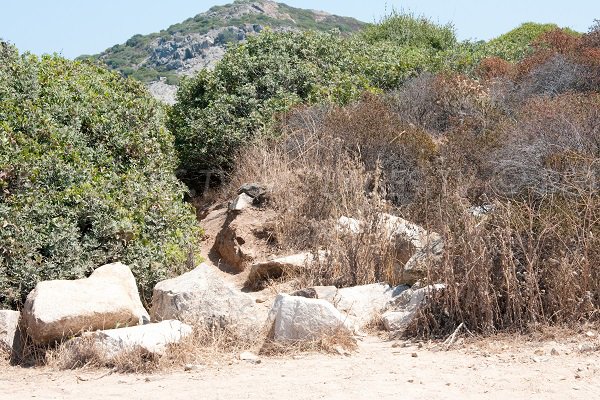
x=361 y=304
x=10 y=335
x=405 y=306
x=150 y=338
x=294 y=318
x=365 y=302
x=61 y=308
x=201 y=296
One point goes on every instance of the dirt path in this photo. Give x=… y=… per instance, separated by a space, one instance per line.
x=494 y=369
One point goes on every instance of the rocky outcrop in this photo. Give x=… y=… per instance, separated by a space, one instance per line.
x=10 y=334
x=415 y=245
x=280 y=267
x=200 y=42
x=360 y=304
x=404 y=307
x=293 y=319
x=62 y=308
x=149 y=338
x=239 y=237
x=201 y=296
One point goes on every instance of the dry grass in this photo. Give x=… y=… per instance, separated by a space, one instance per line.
x=204 y=346
x=340 y=342
x=526 y=143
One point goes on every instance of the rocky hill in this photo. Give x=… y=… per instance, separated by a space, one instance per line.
x=160 y=59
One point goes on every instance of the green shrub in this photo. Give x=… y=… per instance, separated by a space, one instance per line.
x=86 y=177
x=515 y=45
x=408 y=30
x=219 y=110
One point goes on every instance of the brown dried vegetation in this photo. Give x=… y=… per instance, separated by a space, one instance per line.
x=521 y=143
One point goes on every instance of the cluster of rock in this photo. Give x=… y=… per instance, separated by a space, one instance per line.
x=106 y=309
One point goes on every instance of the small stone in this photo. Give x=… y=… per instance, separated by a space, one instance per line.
x=554 y=352
x=241 y=202
x=590 y=334
x=539 y=352
x=341 y=351
x=250 y=357
x=585 y=347
x=414 y=355
x=191 y=367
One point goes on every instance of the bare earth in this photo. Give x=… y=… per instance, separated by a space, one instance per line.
x=500 y=368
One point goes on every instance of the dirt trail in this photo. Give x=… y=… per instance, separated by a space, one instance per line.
x=491 y=369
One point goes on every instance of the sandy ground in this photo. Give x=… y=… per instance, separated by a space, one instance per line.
x=500 y=368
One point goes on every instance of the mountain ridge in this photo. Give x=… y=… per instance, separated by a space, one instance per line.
x=161 y=58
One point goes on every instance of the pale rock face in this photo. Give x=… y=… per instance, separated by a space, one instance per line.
x=295 y=318
x=201 y=296
x=282 y=266
x=403 y=308
x=240 y=202
x=61 y=308
x=361 y=304
x=10 y=335
x=423 y=246
x=150 y=338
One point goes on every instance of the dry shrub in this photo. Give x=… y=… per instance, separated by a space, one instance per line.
x=441 y=103
x=85 y=353
x=553 y=146
x=339 y=341
x=331 y=164
x=204 y=346
x=528 y=144
x=494 y=67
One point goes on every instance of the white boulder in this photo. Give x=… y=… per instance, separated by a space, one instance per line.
x=62 y=308
x=10 y=335
x=201 y=296
x=151 y=338
x=295 y=319
x=282 y=266
x=360 y=304
x=415 y=245
x=404 y=308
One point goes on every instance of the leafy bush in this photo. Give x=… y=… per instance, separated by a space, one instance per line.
x=403 y=29
x=517 y=44
x=217 y=111
x=86 y=177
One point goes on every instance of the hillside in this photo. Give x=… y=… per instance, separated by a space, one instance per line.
x=160 y=59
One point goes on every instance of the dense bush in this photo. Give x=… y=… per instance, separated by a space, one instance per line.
x=219 y=110
x=506 y=167
x=86 y=177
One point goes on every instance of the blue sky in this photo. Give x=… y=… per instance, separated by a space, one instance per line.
x=75 y=27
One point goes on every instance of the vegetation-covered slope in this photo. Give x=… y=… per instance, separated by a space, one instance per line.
x=200 y=41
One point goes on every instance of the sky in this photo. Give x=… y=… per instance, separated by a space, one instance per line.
x=75 y=27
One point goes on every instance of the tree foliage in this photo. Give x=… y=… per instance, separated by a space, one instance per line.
x=86 y=176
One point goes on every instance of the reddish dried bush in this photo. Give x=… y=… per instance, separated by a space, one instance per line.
x=494 y=67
